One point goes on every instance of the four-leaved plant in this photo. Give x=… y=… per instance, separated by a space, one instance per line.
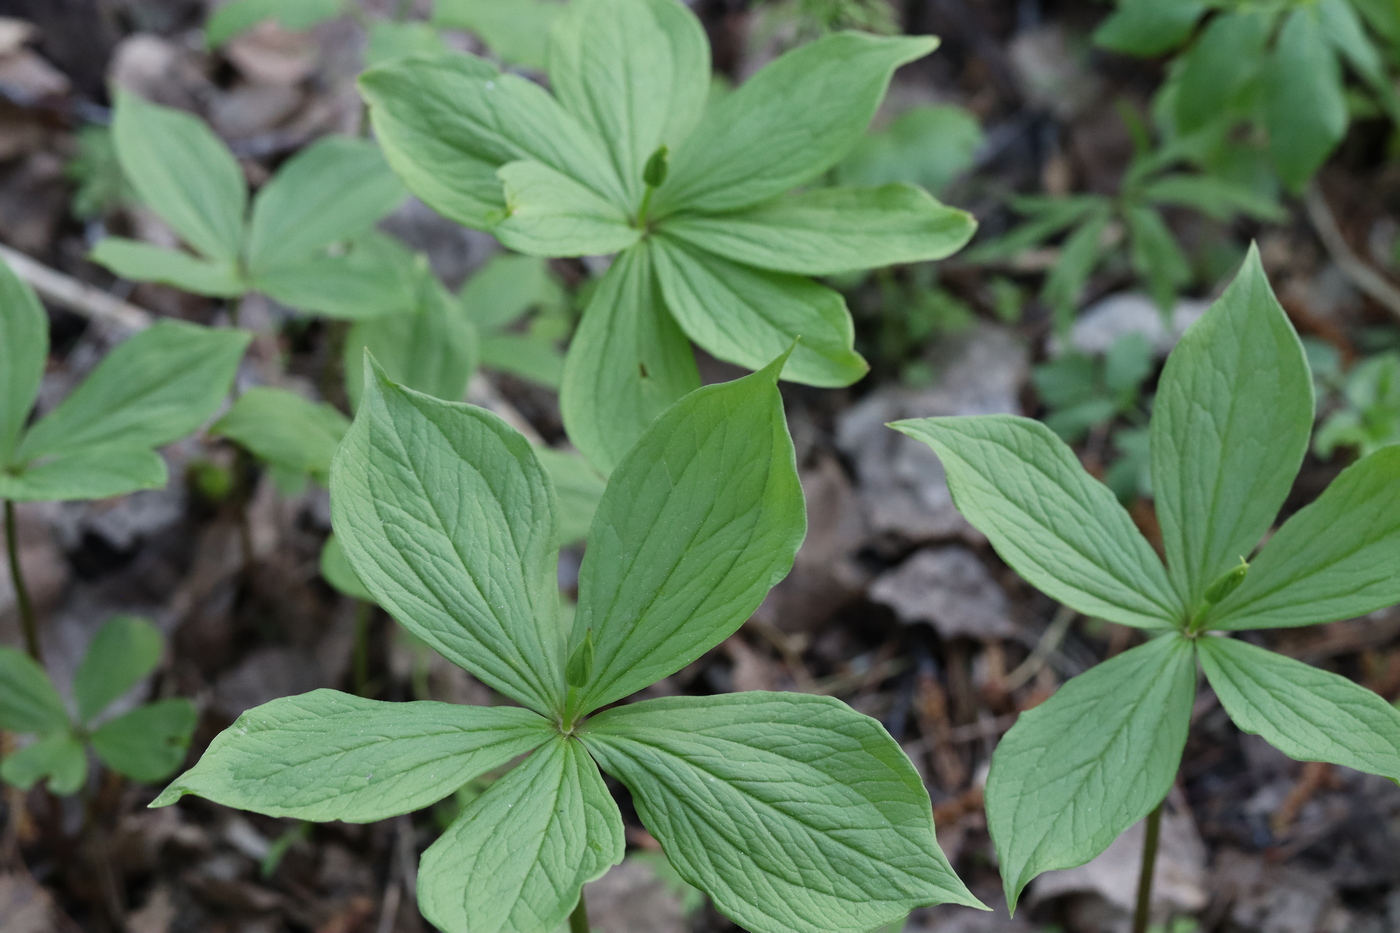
x=1229 y=430
x=793 y=812
x=627 y=157
x=145 y=744
x=306 y=243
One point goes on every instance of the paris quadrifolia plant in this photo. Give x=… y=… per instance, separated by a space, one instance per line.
x=1229 y=430
x=146 y=743
x=792 y=811
x=630 y=156
x=100 y=441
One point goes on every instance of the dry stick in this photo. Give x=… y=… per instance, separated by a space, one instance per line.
x=81 y=298
x=1361 y=275
x=26 y=607
x=1149 y=864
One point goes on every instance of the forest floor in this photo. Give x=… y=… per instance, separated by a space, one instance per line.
x=895 y=605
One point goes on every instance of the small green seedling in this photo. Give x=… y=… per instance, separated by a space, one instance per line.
x=154 y=388
x=626 y=158
x=306 y=243
x=1229 y=429
x=510 y=289
x=146 y=744
x=1100 y=228
x=1277 y=65
x=1084 y=392
x=1369 y=418
x=94 y=169
x=791 y=811
x=294 y=436
x=927 y=146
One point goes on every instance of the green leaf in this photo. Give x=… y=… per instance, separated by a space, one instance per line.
x=327 y=755
x=183 y=172
x=928 y=146
x=1156 y=256
x=374 y=276
x=700 y=519
x=1057 y=526
x=1334 y=559
x=1226 y=56
x=148 y=743
x=448 y=123
x=155 y=388
x=1305 y=107
x=1049 y=217
x=1230 y=427
x=635 y=72
x=517 y=31
x=579 y=489
x=449 y=520
x=526 y=356
x=795 y=813
x=550 y=214
x=330 y=192
x=24 y=351
x=431 y=349
x=1306 y=713
x=86 y=474
x=748 y=316
x=1148 y=27
x=627 y=362
x=1089 y=762
x=285 y=430
x=58 y=757
x=1218 y=198
x=1346 y=33
x=336 y=570
x=28 y=701
x=501 y=291
x=787 y=124
x=826 y=231
x=238 y=16
x=141 y=262
x=516 y=858
x=390 y=41
x=124 y=650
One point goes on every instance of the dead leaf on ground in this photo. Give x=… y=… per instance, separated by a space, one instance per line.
x=25 y=907
x=950 y=589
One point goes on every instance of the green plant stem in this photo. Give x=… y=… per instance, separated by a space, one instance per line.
x=26 y=608
x=1149 y=865
x=646 y=206
x=363 y=612
x=578 y=920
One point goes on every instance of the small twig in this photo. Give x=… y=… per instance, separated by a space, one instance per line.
x=1049 y=643
x=78 y=297
x=1361 y=275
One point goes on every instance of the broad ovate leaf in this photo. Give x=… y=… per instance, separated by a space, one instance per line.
x=635 y=72
x=330 y=192
x=1148 y=27
x=517 y=857
x=432 y=348
x=1219 y=64
x=830 y=230
x=787 y=124
x=156 y=387
x=58 y=757
x=1230 y=426
x=1306 y=713
x=327 y=755
x=749 y=316
x=501 y=291
x=148 y=743
x=1089 y=762
x=142 y=262
x=1337 y=558
x=1305 y=105
x=124 y=650
x=700 y=519
x=1057 y=526
x=449 y=520
x=447 y=123
x=549 y=214
x=627 y=362
x=370 y=277
x=286 y=430
x=183 y=172
x=795 y=813
x=28 y=701
x=24 y=351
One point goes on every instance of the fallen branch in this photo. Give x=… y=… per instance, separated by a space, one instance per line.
x=78 y=297
x=1361 y=275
